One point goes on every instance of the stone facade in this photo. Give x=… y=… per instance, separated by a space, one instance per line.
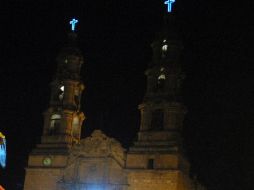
x=63 y=161
x=99 y=162
x=96 y=162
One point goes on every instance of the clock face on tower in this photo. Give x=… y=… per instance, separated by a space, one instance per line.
x=47 y=161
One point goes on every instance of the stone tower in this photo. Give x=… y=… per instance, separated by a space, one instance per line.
x=156 y=159
x=62 y=121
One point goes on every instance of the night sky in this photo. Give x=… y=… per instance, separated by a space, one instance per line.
x=115 y=38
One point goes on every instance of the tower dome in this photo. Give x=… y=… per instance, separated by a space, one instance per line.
x=69 y=59
x=167 y=45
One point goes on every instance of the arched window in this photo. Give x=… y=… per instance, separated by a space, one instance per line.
x=61 y=93
x=161 y=80
x=164 y=48
x=55 y=122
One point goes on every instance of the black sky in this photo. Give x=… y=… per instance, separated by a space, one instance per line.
x=115 y=39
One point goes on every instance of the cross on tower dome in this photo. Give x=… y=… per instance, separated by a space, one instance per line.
x=73 y=23
x=169 y=3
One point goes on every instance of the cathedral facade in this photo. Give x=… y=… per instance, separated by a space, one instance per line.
x=64 y=161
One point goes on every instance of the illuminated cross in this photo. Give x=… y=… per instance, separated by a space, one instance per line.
x=73 y=22
x=169 y=3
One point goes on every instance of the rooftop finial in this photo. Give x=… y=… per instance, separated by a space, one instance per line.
x=169 y=3
x=73 y=22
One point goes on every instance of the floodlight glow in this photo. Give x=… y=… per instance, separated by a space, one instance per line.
x=94 y=187
x=169 y=3
x=73 y=22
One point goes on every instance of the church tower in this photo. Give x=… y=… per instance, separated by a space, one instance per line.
x=62 y=120
x=156 y=160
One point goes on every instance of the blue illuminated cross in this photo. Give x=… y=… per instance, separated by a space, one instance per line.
x=73 y=22
x=169 y=3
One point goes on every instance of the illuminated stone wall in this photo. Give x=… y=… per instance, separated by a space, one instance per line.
x=100 y=162
x=96 y=162
x=151 y=180
x=158 y=180
x=169 y=171
x=42 y=179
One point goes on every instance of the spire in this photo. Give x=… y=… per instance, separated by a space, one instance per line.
x=69 y=59
x=71 y=44
x=167 y=45
x=164 y=74
x=72 y=35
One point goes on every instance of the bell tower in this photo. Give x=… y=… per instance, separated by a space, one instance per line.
x=156 y=160
x=62 y=120
x=162 y=112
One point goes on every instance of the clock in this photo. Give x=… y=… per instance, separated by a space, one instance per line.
x=47 y=161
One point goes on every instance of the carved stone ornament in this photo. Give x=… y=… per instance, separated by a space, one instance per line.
x=99 y=145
